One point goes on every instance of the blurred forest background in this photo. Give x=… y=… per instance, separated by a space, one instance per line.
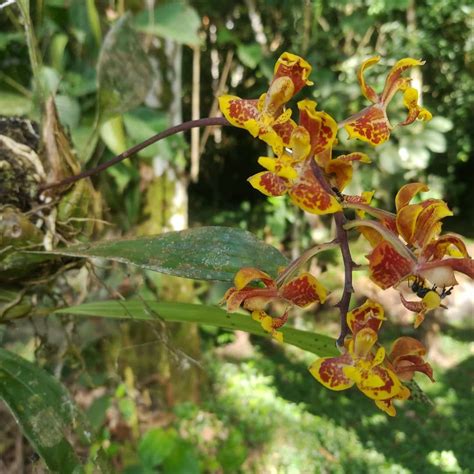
x=203 y=399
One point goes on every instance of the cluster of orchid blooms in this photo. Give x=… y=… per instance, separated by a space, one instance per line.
x=406 y=247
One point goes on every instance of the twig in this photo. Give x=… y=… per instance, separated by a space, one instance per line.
x=302 y=259
x=195 y=103
x=215 y=103
x=349 y=264
x=135 y=149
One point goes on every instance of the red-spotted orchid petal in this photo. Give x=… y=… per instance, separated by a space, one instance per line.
x=369 y=315
x=387 y=266
x=303 y=290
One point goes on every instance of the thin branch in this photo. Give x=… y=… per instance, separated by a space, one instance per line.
x=183 y=127
x=373 y=211
x=349 y=264
x=195 y=104
x=387 y=234
x=302 y=259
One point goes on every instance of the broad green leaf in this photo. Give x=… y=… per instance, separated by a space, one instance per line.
x=201 y=314
x=250 y=54
x=174 y=20
x=42 y=408
x=204 y=253
x=124 y=72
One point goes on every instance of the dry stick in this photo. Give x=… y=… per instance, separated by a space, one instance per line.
x=183 y=127
x=349 y=264
x=215 y=103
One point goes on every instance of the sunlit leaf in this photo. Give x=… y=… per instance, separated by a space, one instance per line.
x=201 y=314
x=174 y=20
x=204 y=253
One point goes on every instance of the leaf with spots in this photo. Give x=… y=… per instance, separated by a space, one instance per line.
x=204 y=253
x=42 y=408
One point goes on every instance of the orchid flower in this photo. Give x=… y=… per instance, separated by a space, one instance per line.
x=301 y=291
x=360 y=364
x=405 y=358
x=266 y=117
x=372 y=124
x=427 y=256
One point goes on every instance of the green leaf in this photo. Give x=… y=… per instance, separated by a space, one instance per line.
x=192 y=313
x=43 y=409
x=14 y=104
x=174 y=20
x=182 y=460
x=124 y=72
x=142 y=123
x=204 y=253
x=250 y=54
x=156 y=445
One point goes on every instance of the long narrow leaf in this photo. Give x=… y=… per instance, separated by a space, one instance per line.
x=201 y=314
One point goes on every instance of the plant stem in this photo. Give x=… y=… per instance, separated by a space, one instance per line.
x=204 y=122
x=302 y=259
x=33 y=52
x=342 y=239
x=387 y=234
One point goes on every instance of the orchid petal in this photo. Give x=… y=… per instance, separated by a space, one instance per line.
x=427 y=224
x=269 y=183
x=462 y=265
x=407 y=366
x=437 y=249
x=296 y=68
x=369 y=315
x=242 y=113
x=407 y=192
x=406 y=221
x=371 y=125
x=379 y=383
x=387 y=266
x=284 y=130
x=309 y=195
x=321 y=126
x=329 y=371
x=304 y=290
x=392 y=83
x=363 y=341
x=248 y=274
x=368 y=92
x=342 y=168
x=386 y=406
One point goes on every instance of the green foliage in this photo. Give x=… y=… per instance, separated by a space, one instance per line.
x=205 y=253
x=265 y=414
x=44 y=410
x=174 y=20
x=202 y=314
x=124 y=72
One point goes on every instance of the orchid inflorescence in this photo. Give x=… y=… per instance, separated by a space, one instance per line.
x=407 y=247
